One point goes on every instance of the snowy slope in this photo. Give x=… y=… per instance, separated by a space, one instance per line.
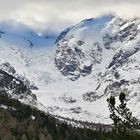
x=93 y=60
x=104 y=52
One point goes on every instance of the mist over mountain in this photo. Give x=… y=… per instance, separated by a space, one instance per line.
x=74 y=73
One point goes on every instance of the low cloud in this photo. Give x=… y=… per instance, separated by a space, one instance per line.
x=55 y=15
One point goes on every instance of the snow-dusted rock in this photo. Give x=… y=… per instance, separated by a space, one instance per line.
x=93 y=60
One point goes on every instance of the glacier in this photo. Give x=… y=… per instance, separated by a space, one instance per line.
x=109 y=44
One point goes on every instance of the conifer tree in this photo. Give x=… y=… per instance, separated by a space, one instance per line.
x=121 y=115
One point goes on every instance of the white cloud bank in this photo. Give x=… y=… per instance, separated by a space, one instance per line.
x=57 y=14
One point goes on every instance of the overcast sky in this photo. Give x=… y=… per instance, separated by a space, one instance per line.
x=58 y=14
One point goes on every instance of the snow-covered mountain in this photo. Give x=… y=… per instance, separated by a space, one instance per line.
x=90 y=61
x=104 y=51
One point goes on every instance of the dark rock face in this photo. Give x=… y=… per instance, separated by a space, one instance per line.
x=127 y=33
x=67 y=63
x=76 y=57
x=86 y=70
x=66 y=99
x=90 y=96
x=80 y=43
x=76 y=110
x=122 y=57
x=7 y=67
x=62 y=35
x=74 y=62
x=14 y=85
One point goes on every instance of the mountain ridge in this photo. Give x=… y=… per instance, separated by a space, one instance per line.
x=91 y=62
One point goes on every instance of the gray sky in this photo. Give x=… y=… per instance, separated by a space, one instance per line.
x=58 y=14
